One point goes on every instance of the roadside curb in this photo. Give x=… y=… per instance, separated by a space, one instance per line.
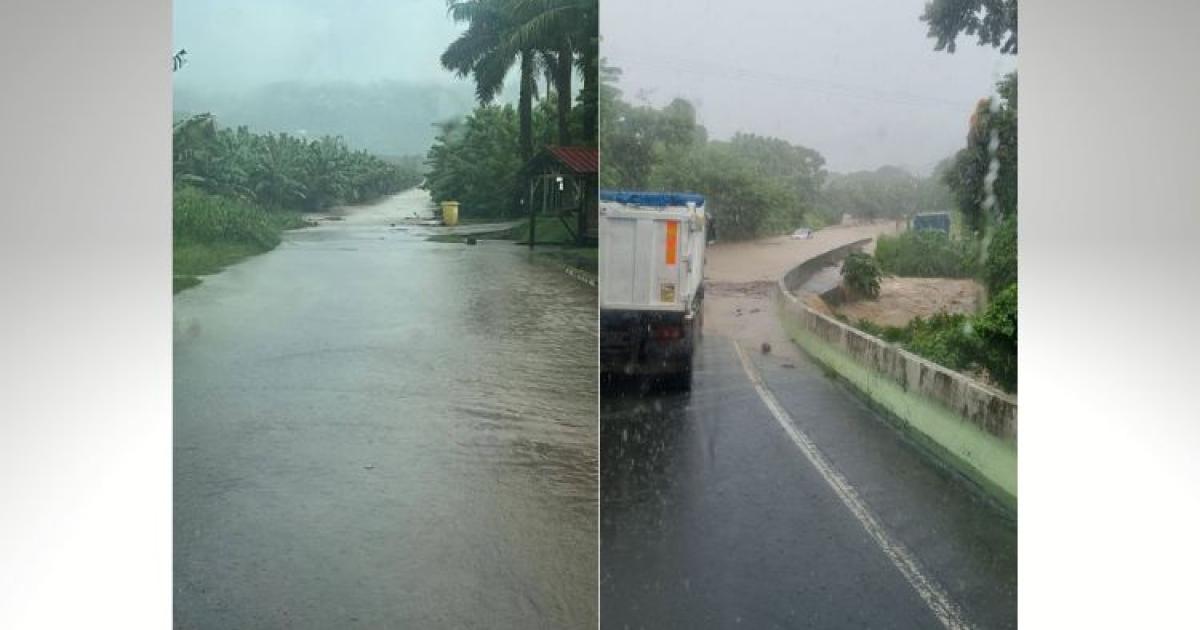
x=579 y=275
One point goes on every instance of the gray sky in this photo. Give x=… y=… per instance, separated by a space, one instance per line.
x=857 y=80
x=236 y=45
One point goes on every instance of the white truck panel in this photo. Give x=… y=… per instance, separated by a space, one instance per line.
x=650 y=258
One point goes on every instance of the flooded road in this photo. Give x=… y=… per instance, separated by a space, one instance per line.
x=372 y=430
x=711 y=517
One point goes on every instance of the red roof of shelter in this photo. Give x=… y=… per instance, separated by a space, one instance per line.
x=582 y=160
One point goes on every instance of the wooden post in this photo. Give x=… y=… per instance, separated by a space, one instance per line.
x=532 y=212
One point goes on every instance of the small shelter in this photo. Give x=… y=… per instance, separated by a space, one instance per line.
x=562 y=182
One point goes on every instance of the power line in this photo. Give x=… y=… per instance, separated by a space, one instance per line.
x=820 y=86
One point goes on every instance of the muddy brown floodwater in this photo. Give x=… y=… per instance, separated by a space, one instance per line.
x=372 y=430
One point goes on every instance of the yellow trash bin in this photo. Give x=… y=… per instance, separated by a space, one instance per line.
x=449 y=213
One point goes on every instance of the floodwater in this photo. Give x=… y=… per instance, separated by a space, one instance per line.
x=372 y=430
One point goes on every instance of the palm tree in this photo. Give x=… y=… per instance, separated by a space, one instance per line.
x=566 y=28
x=483 y=53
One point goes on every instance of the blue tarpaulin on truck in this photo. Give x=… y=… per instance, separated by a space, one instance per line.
x=663 y=199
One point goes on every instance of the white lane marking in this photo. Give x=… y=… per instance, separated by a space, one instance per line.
x=938 y=601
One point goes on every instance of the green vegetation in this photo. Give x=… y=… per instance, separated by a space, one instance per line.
x=885 y=193
x=997 y=330
x=985 y=343
x=757 y=185
x=235 y=191
x=585 y=258
x=476 y=160
x=384 y=117
x=927 y=254
x=212 y=232
x=860 y=276
x=550 y=231
x=967 y=174
x=993 y=21
x=1000 y=267
x=281 y=171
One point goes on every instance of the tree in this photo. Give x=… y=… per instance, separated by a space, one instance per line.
x=565 y=31
x=280 y=171
x=634 y=139
x=993 y=21
x=967 y=177
x=484 y=52
x=531 y=33
x=886 y=192
x=744 y=203
x=474 y=160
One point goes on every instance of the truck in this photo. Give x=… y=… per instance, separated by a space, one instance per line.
x=935 y=221
x=651 y=283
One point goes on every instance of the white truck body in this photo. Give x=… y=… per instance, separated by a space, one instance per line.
x=651 y=281
x=651 y=258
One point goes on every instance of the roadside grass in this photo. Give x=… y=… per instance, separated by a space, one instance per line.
x=585 y=258
x=560 y=246
x=212 y=232
x=550 y=231
x=192 y=260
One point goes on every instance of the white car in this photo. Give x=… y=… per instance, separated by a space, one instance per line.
x=804 y=233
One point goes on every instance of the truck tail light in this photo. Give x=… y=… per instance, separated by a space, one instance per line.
x=667 y=332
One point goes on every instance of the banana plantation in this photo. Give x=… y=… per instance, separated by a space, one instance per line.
x=236 y=191
x=281 y=171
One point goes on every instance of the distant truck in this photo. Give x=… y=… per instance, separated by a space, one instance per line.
x=936 y=221
x=651 y=282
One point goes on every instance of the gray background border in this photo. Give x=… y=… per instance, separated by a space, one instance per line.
x=1109 y=422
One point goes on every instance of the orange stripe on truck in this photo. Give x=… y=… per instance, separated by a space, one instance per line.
x=672 y=242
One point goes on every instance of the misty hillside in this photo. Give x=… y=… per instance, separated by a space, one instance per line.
x=386 y=118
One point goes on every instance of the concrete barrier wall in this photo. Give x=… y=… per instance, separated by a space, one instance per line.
x=805 y=270
x=969 y=425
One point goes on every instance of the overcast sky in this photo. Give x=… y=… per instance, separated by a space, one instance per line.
x=857 y=80
x=237 y=44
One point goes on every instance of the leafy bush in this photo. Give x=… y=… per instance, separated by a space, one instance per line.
x=986 y=342
x=1000 y=268
x=860 y=275
x=887 y=333
x=926 y=254
x=946 y=339
x=997 y=331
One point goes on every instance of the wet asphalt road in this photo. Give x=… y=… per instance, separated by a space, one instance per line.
x=712 y=518
x=376 y=431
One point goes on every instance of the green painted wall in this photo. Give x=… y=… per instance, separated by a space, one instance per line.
x=989 y=461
